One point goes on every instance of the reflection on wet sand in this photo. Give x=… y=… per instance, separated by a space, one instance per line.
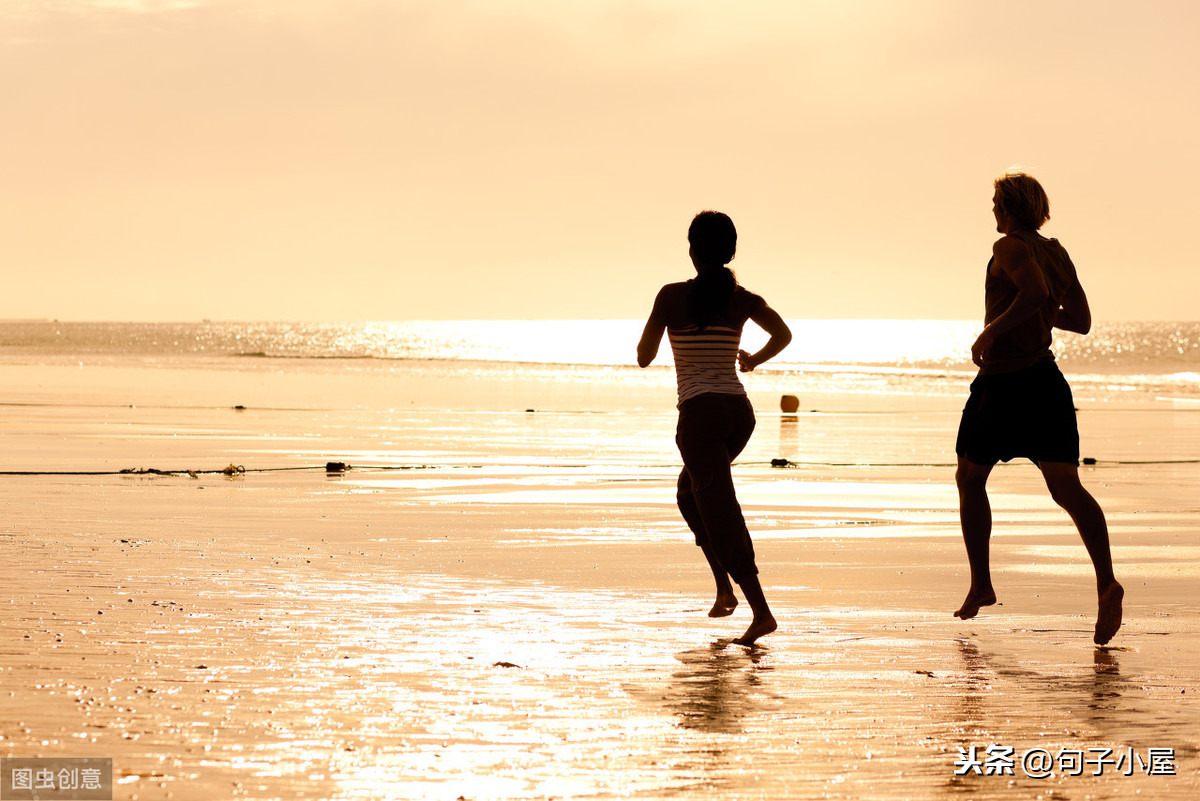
x=1107 y=686
x=1103 y=686
x=789 y=437
x=1051 y=700
x=970 y=712
x=989 y=712
x=718 y=687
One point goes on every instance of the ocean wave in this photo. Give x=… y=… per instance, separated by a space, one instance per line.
x=259 y=354
x=1127 y=353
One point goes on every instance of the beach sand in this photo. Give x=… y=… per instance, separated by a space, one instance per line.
x=497 y=603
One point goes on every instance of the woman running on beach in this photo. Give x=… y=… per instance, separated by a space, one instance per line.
x=703 y=318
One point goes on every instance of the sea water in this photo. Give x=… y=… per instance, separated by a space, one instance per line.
x=539 y=393
x=1155 y=358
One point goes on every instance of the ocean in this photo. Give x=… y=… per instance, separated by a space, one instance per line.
x=1143 y=360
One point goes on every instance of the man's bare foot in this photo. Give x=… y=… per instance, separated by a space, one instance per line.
x=723 y=606
x=1109 y=619
x=758 y=628
x=974 y=600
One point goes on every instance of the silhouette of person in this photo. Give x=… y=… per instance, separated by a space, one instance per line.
x=703 y=318
x=1020 y=404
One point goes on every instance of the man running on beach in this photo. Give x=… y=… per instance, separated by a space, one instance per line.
x=1020 y=404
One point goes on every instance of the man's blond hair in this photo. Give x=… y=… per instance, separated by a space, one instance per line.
x=1020 y=195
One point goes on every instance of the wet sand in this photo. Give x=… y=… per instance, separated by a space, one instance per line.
x=506 y=605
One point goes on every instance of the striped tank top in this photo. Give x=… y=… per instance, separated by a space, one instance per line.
x=706 y=360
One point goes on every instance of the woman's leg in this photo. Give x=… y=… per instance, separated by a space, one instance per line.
x=763 y=622
x=725 y=601
x=707 y=428
x=711 y=433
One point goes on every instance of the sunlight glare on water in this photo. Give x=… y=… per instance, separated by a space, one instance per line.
x=876 y=342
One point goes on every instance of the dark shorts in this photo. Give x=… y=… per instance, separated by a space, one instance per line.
x=1027 y=413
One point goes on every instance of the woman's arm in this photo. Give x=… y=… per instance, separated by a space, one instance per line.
x=647 y=347
x=770 y=321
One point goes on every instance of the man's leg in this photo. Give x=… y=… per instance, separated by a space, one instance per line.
x=975 y=514
x=1062 y=479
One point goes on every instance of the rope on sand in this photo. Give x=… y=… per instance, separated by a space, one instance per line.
x=338 y=468
x=1087 y=462
x=332 y=468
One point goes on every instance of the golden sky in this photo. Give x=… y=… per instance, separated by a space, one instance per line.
x=397 y=159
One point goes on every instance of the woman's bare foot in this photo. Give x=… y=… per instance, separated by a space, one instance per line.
x=759 y=627
x=724 y=605
x=974 y=600
x=1109 y=619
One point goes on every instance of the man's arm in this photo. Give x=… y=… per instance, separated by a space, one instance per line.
x=1012 y=257
x=1074 y=314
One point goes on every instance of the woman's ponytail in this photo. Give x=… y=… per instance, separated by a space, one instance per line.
x=712 y=289
x=714 y=243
